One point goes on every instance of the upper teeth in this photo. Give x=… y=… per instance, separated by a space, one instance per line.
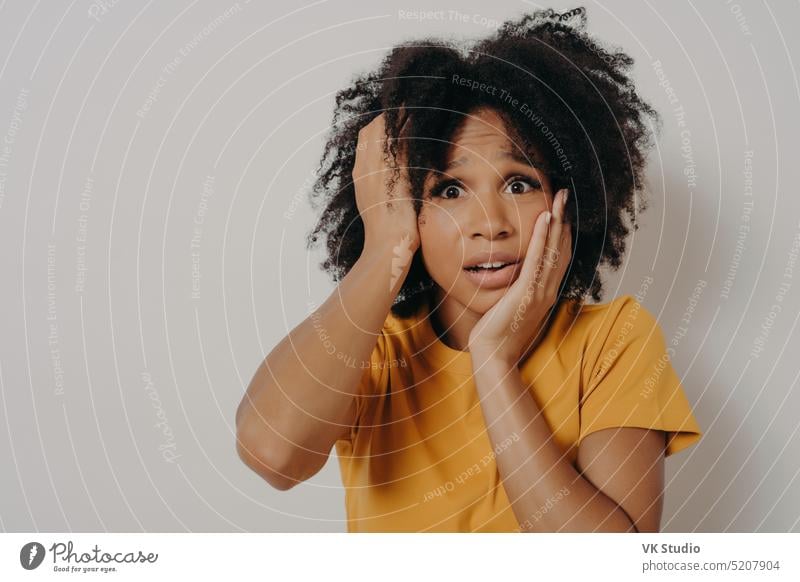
x=487 y=265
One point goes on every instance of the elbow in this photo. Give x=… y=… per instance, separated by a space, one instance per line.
x=277 y=458
x=264 y=461
x=272 y=463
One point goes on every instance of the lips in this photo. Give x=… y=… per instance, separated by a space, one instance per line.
x=491 y=257
x=489 y=266
x=493 y=270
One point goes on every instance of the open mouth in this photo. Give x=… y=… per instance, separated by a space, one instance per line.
x=493 y=275
x=486 y=267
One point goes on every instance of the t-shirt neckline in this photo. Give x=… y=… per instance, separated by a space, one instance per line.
x=432 y=347
x=459 y=362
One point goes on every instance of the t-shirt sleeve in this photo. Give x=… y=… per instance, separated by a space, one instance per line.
x=633 y=383
x=373 y=380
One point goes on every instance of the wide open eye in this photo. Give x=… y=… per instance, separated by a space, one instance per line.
x=521 y=185
x=449 y=190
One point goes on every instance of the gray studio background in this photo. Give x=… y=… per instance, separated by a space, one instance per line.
x=153 y=168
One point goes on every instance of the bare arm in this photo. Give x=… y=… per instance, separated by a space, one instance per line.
x=301 y=398
x=617 y=485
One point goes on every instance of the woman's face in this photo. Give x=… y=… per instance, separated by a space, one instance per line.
x=482 y=208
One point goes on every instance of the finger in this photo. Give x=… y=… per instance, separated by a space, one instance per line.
x=402 y=137
x=401 y=152
x=531 y=267
x=393 y=161
x=370 y=136
x=557 y=259
x=401 y=159
x=403 y=114
x=552 y=251
x=377 y=134
x=556 y=273
x=556 y=224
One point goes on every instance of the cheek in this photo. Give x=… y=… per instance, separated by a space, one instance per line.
x=528 y=224
x=526 y=229
x=440 y=241
x=438 y=227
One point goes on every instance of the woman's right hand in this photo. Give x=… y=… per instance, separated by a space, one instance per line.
x=388 y=214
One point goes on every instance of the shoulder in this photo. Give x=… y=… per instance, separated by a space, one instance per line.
x=628 y=376
x=621 y=304
x=622 y=316
x=619 y=330
x=396 y=337
x=401 y=328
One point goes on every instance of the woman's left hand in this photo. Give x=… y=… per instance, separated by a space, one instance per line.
x=511 y=326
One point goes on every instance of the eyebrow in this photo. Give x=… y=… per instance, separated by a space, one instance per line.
x=514 y=155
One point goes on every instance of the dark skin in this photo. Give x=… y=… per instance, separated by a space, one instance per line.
x=617 y=484
x=300 y=400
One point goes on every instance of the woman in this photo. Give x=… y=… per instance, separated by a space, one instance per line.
x=470 y=197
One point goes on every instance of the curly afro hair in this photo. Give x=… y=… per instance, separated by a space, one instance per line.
x=568 y=102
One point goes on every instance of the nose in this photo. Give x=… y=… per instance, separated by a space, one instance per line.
x=488 y=217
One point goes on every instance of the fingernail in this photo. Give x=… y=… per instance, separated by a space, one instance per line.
x=547 y=216
x=566 y=195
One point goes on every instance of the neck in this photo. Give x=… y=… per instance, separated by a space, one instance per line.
x=453 y=322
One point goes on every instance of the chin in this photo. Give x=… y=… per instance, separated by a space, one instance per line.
x=482 y=300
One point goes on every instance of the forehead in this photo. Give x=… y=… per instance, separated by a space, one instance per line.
x=483 y=135
x=482 y=127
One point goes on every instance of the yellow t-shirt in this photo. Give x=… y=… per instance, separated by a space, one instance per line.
x=419 y=457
